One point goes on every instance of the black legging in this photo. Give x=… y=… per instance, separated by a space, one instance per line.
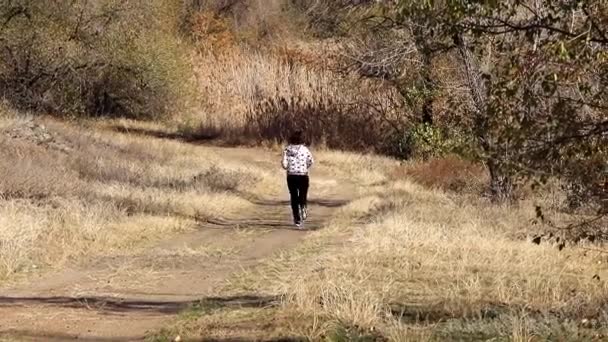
x=298 y=189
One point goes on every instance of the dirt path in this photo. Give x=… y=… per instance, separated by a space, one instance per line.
x=124 y=297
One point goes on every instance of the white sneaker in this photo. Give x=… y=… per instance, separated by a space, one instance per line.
x=299 y=225
x=304 y=213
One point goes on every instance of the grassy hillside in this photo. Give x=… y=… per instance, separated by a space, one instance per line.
x=405 y=263
x=75 y=191
x=478 y=159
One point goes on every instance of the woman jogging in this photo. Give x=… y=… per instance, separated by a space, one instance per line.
x=297 y=159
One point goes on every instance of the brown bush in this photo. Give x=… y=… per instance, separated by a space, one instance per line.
x=105 y=59
x=450 y=173
x=337 y=126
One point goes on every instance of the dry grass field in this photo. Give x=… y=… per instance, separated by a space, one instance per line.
x=403 y=262
x=70 y=191
x=416 y=254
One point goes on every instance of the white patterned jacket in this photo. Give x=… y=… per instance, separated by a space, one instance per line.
x=297 y=159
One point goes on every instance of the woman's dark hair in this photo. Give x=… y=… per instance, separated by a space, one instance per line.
x=296 y=138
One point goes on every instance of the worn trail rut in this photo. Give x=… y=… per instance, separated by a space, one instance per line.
x=126 y=297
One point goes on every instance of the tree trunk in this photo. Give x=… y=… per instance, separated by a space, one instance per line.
x=422 y=46
x=501 y=185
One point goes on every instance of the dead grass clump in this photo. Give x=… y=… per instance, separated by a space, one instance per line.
x=218 y=179
x=215 y=322
x=33 y=236
x=19 y=229
x=324 y=122
x=114 y=159
x=31 y=172
x=186 y=204
x=248 y=77
x=365 y=170
x=450 y=173
x=107 y=167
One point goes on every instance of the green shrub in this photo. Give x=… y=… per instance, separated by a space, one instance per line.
x=101 y=58
x=426 y=141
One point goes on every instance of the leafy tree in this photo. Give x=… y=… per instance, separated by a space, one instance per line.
x=537 y=76
x=81 y=57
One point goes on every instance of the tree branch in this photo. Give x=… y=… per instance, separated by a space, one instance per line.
x=503 y=26
x=15 y=12
x=594 y=24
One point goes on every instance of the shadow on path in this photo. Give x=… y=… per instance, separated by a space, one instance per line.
x=113 y=305
x=25 y=335
x=257 y=200
x=311 y=202
x=122 y=305
x=188 y=138
x=281 y=339
x=219 y=223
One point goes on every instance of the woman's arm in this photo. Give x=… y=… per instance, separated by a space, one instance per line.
x=309 y=159
x=285 y=161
